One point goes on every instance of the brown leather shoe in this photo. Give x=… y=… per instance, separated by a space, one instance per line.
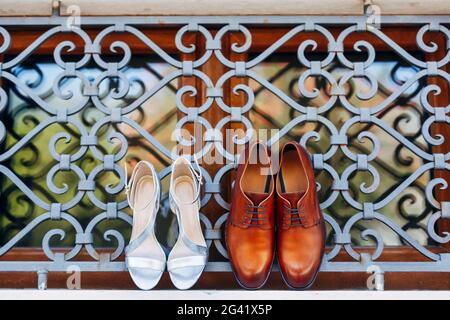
x=301 y=228
x=250 y=232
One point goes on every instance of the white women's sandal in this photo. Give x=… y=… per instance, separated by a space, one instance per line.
x=189 y=256
x=145 y=258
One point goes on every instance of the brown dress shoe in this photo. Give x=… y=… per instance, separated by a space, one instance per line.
x=250 y=233
x=301 y=228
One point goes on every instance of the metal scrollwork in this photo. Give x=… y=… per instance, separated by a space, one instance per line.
x=99 y=144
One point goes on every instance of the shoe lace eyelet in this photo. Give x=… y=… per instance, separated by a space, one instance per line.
x=255 y=210
x=293 y=216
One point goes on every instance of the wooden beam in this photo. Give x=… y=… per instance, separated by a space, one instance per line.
x=165 y=38
x=441 y=100
x=215 y=280
x=22 y=38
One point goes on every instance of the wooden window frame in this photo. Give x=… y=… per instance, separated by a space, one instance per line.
x=405 y=37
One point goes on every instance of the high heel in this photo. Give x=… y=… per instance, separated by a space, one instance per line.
x=189 y=255
x=145 y=258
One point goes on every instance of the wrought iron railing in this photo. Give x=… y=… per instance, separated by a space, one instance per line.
x=108 y=159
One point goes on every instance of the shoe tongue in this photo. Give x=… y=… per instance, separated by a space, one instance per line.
x=293 y=197
x=256 y=197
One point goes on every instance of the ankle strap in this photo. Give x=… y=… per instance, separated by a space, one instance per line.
x=197 y=175
x=130 y=184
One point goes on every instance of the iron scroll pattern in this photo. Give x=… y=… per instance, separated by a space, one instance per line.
x=213 y=138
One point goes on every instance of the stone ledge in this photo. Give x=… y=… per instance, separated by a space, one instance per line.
x=254 y=7
x=413 y=7
x=213 y=7
x=37 y=8
x=64 y=294
x=13 y=8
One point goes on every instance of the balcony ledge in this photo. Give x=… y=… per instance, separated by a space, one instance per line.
x=61 y=294
x=11 y=8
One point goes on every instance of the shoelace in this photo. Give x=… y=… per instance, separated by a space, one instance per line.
x=290 y=212
x=252 y=210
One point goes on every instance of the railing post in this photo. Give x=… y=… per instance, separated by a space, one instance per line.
x=379 y=280
x=42 y=279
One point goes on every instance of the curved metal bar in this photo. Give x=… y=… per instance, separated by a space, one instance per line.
x=393 y=45
x=24 y=188
x=160 y=52
x=107 y=235
x=382 y=203
x=22 y=233
x=31 y=48
x=148 y=137
x=30 y=135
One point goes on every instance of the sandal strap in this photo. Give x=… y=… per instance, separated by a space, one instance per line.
x=185 y=262
x=197 y=176
x=130 y=184
x=145 y=263
x=199 y=249
x=136 y=243
x=129 y=188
